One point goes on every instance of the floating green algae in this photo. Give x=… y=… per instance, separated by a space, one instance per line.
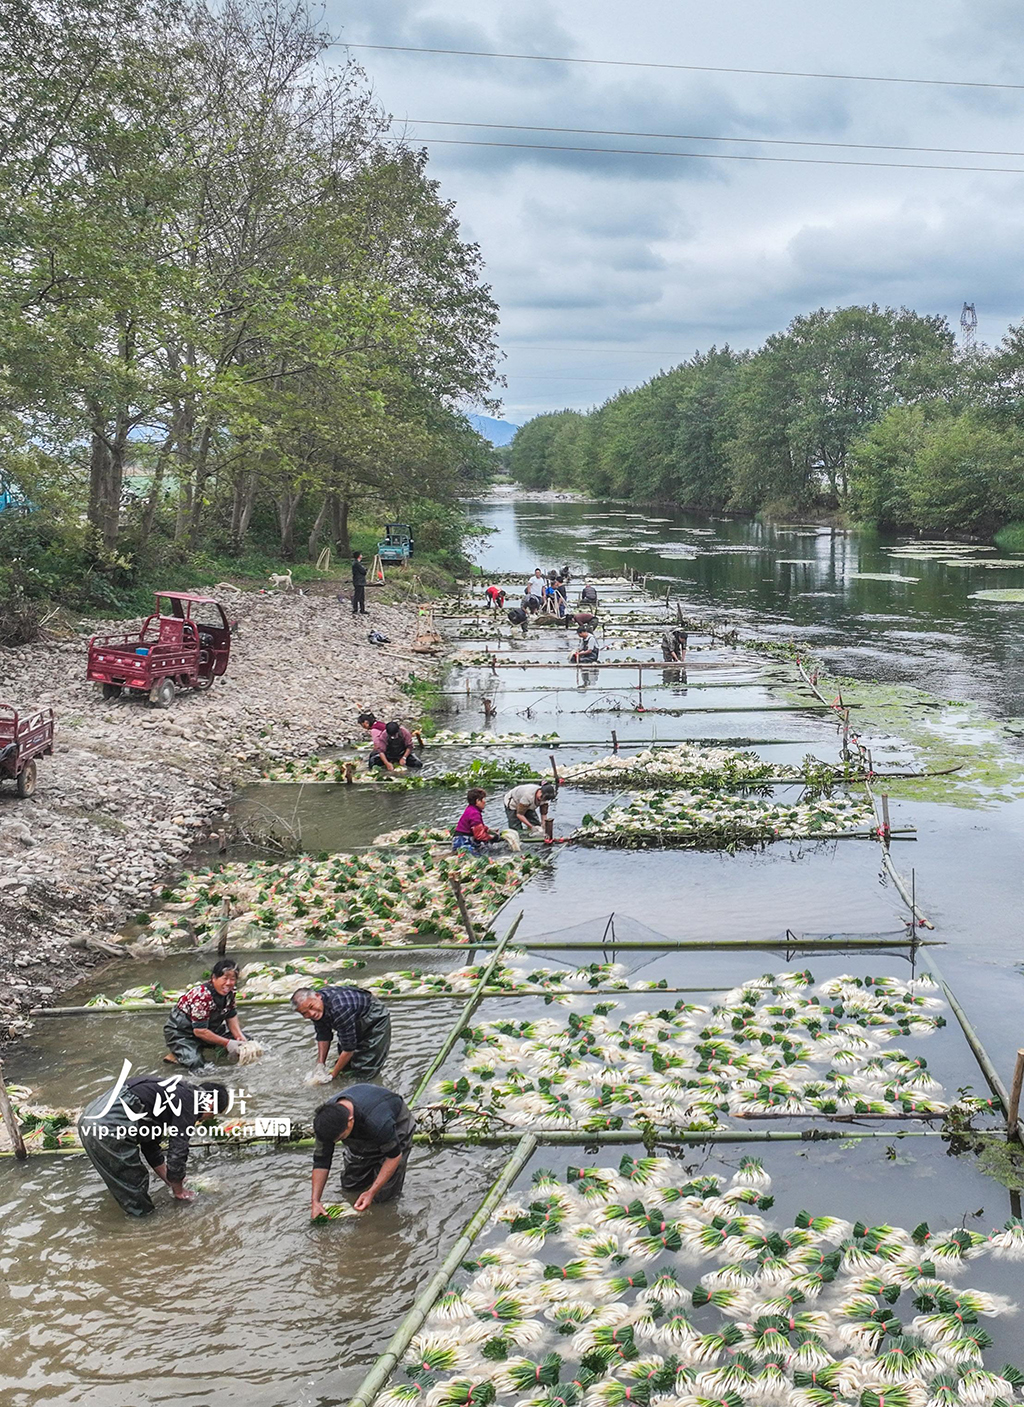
x=881 y=576
x=943 y=734
x=1006 y=593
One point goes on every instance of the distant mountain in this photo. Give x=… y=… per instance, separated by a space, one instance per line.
x=499 y=432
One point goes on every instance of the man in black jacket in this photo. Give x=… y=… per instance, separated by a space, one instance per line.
x=358 y=584
x=122 y=1129
x=376 y=1127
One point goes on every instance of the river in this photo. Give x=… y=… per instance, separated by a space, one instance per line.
x=240 y=1299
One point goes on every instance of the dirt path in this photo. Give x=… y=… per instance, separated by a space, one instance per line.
x=130 y=788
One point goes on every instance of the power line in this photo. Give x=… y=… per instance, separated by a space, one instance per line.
x=685 y=68
x=725 y=156
x=702 y=137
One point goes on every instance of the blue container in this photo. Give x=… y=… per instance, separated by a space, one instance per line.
x=142 y=650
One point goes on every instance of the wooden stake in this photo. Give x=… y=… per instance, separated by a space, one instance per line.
x=1013 y=1113
x=554 y=769
x=885 y=814
x=17 y=1142
x=460 y=899
x=222 y=933
x=615 y=741
x=350 y=773
x=679 y=612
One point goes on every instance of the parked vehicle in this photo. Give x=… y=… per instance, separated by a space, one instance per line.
x=397 y=545
x=23 y=738
x=184 y=644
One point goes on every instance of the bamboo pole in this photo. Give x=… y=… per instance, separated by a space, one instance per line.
x=7 y=1113
x=467 y=1011
x=385 y=1365
x=1013 y=1112
x=569 y=1138
x=990 y=1072
x=460 y=899
x=222 y=931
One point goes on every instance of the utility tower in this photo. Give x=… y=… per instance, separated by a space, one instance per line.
x=969 y=327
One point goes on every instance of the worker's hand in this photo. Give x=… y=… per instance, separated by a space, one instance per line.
x=317 y=1209
x=184 y=1194
x=233 y=1047
x=364 y=1200
x=388 y=765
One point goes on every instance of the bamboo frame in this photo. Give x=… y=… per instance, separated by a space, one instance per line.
x=467 y=1011
x=386 y=1363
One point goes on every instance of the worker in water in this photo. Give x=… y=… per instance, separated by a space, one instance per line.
x=587 y=651
x=588 y=596
x=673 y=644
x=204 y=1019
x=495 y=597
x=471 y=830
x=358 y=584
x=531 y=603
x=390 y=744
x=535 y=584
x=123 y=1129
x=376 y=1128
x=358 y=1020
x=583 y=618
x=517 y=616
x=526 y=806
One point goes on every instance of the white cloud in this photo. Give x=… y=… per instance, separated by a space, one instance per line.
x=598 y=251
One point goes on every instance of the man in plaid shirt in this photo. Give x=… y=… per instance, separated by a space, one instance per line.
x=359 y=1022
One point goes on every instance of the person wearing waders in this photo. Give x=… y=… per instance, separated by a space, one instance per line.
x=587 y=651
x=357 y=1019
x=673 y=645
x=526 y=806
x=517 y=616
x=121 y=1132
x=588 y=596
x=205 y=1018
x=392 y=748
x=358 y=584
x=376 y=1129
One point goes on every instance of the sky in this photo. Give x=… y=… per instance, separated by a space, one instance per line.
x=609 y=268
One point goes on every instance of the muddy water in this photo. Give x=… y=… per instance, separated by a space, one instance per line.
x=237 y=1297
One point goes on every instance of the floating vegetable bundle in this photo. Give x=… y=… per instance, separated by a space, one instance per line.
x=709 y=819
x=370 y=899
x=776 y=1047
x=267 y=982
x=685 y=765
x=476 y=773
x=637 y=1286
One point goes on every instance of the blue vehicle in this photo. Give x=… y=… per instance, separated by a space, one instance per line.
x=397 y=544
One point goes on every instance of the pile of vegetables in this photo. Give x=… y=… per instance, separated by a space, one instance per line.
x=479 y=772
x=686 y=765
x=374 y=899
x=773 y=1047
x=266 y=981
x=638 y=1285
x=713 y=820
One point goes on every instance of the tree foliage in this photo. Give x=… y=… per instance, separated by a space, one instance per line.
x=223 y=287
x=866 y=410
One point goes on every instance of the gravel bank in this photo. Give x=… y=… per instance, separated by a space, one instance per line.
x=130 y=788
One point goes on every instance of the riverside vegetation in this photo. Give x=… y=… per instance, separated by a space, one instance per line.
x=868 y=412
x=239 y=319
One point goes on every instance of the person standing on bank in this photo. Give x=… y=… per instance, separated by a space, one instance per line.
x=376 y=1128
x=121 y=1133
x=358 y=584
x=205 y=1018
x=359 y=1021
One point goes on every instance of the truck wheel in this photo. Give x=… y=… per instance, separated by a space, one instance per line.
x=162 y=695
x=111 y=691
x=203 y=681
x=26 y=782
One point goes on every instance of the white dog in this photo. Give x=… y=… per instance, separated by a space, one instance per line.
x=282 y=580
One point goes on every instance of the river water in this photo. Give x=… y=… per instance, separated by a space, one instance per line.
x=237 y=1298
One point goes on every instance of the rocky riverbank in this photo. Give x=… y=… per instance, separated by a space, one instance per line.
x=131 y=788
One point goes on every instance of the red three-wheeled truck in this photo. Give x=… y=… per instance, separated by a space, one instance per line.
x=184 y=644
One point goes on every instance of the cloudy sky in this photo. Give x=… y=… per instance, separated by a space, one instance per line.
x=609 y=267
